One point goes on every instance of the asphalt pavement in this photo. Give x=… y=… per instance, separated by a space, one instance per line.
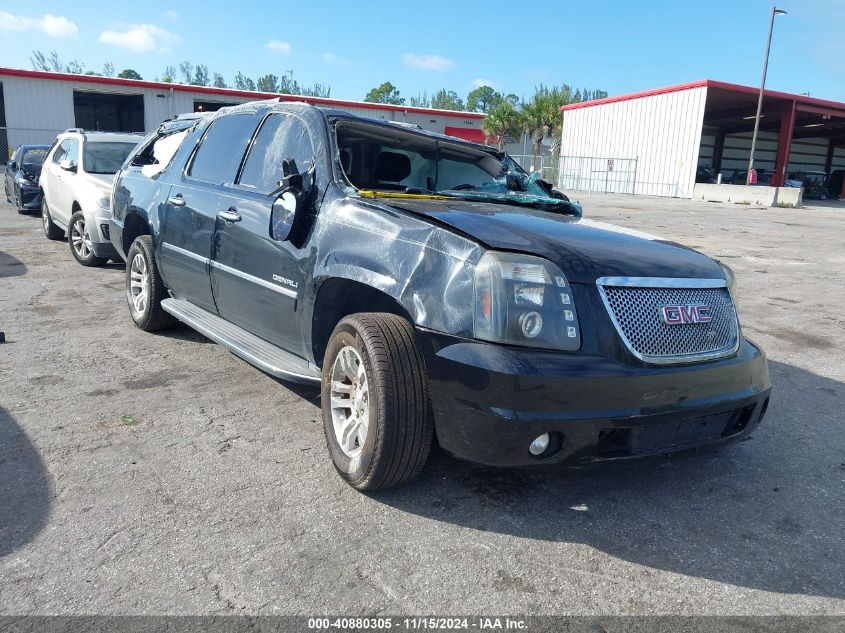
x=157 y=473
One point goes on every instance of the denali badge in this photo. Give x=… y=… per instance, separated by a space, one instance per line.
x=285 y=281
x=692 y=313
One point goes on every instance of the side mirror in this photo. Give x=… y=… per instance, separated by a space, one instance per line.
x=13 y=166
x=285 y=207
x=68 y=165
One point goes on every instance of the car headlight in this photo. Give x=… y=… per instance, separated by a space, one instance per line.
x=730 y=278
x=104 y=202
x=524 y=300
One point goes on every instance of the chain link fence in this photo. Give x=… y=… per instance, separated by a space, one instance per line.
x=12 y=137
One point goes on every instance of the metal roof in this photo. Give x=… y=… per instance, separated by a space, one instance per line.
x=225 y=92
x=722 y=91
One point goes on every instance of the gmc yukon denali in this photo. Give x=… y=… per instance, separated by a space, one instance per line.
x=435 y=292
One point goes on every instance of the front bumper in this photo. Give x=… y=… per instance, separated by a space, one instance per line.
x=99 y=230
x=28 y=197
x=490 y=401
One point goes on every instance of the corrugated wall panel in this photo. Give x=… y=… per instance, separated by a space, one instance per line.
x=37 y=109
x=663 y=132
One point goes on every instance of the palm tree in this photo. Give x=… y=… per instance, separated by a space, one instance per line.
x=502 y=123
x=536 y=122
x=541 y=118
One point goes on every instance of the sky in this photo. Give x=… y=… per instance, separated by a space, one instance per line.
x=426 y=45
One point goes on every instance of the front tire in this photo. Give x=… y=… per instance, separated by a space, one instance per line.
x=375 y=401
x=51 y=231
x=144 y=287
x=79 y=241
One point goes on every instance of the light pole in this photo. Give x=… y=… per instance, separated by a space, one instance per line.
x=775 y=11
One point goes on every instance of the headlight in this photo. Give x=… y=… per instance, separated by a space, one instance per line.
x=104 y=202
x=730 y=278
x=524 y=300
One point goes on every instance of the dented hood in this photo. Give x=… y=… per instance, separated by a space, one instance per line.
x=584 y=249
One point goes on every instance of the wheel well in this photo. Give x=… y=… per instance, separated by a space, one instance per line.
x=133 y=226
x=338 y=298
x=75 y=207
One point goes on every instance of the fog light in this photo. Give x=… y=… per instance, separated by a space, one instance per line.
x=539 y=445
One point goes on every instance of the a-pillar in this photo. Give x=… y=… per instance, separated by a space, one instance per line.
x=787 y=128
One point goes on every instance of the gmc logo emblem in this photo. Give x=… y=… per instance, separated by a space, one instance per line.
x=692 y=313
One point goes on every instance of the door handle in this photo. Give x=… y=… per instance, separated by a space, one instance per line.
x=177 y=200
x=231 y=215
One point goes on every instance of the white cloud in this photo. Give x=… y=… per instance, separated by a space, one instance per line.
x=171 y=15
x=427 y=62
x=277 y=45
x=331 y=58
x=51 y=25
x=140 y=38
x=477 y=83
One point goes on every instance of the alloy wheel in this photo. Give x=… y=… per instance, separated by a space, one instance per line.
x=139 y=285
x=350 y=401
x=80 y=239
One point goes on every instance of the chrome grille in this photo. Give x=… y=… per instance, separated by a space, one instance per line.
x=636 y=313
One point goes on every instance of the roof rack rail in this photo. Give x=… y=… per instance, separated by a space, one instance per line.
x=78 y=130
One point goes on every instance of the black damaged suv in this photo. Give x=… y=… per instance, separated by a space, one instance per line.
x=429 y=285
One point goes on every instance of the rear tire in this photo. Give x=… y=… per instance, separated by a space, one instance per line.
x=79 y=242
x=144 y=287
x=378 y=429
x=51 y=231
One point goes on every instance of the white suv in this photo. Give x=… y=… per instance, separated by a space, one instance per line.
x=76 y=182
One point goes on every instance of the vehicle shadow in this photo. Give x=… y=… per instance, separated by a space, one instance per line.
x=24 y=487
x=767 y=513
x=11 y=266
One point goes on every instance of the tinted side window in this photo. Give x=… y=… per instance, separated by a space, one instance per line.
x=281 y=137
x=222 y=148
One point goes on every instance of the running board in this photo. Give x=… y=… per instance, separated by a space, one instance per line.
x=251 y=348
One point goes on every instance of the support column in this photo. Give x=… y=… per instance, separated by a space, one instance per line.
x=718 y=150
x=787 y=128
x=828 y=162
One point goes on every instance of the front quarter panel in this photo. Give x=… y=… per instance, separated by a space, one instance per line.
x=427 y=269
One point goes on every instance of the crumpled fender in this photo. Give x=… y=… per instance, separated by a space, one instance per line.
x=426 y=268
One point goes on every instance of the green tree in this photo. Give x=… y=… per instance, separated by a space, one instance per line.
x=267 y=83
x=128 y=73
x=169 y=75
x=108 y=69
x=54 y=63
x=538 y=119
x=422 y=100
x=317 y=90
x=187 y=70
x=242 y=82
x=502 y=123
x=385 y=93
x=483 y=99
x=289 y=86
x=200 y=75
x=446 y=100
x=219 y=82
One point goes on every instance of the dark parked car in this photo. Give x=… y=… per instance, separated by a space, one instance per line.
x=429 y=283
x=22 y=173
